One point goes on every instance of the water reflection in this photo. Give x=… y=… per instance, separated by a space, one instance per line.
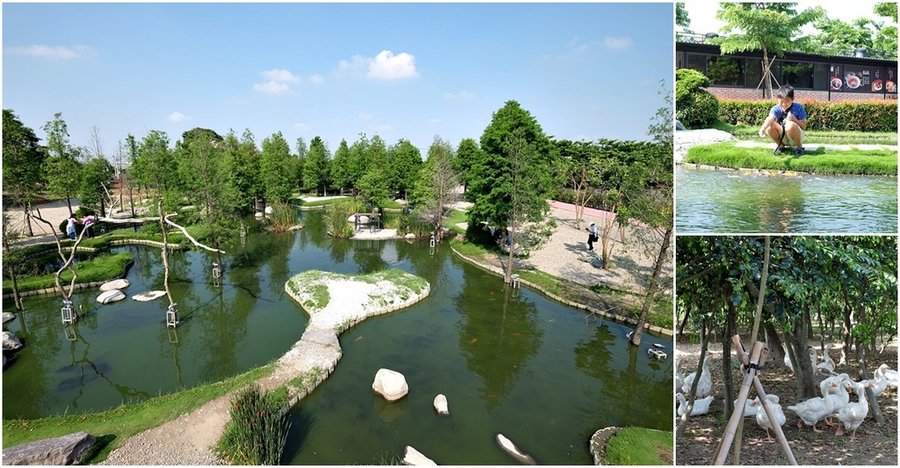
x=730 y=201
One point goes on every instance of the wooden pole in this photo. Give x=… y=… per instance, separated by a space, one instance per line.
x=736 y=454
x=738 y=413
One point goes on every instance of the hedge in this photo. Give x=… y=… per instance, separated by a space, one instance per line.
x=863 y=116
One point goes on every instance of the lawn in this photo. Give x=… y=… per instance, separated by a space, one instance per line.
x=456 y=217
x=639 y=446
x=820 y=161
x=750 y=132
x=100 y=268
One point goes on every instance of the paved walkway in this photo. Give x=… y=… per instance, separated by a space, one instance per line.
x=687 y=139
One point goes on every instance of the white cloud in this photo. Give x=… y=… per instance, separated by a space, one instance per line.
x=617 y=43
x=357 y=63
x=387 y=66
x=272 y=88
x=280 y=76
x=176 y=117
x=316 y=79
x=50 y=52
x=365 y=116
x=301 y=126
x=460 y=96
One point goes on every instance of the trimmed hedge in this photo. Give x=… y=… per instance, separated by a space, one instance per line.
x=694 y=106
x=863 y=116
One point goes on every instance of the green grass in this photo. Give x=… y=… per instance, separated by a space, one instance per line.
x=297 y=201
x=127 y=420
x=545 y=281
x=392 y=205
x=639 y=446
x=99 y=268
x=456 y=217
x=819 y=162
x=751 y=132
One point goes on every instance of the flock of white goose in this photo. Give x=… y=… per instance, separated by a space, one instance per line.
x=834 y=402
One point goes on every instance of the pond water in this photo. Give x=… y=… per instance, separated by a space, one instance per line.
x=725 y=201
x=544 y=374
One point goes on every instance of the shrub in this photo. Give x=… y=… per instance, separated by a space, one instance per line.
x=863 y=116
x=283 y=217
x=257 y=432
x=695 y=107
x=412 y=223
x=336 y=218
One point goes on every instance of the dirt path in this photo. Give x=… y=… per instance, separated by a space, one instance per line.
x=875 y=445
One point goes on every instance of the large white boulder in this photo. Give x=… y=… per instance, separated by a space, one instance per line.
x=8 y=317
x=390 y=384
x=269 y=210
x=414 y=457
x=11 y=342
x=410 y=236
x=110 y=296
x=148 y=296
x=114 y=284
x=440 y=404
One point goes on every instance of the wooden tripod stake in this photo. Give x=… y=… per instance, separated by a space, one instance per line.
x=750 y=369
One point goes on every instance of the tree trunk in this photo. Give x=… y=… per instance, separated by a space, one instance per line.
x=687 y=313
x=69 y=204
x=692 y=394
x=803 y=369
x=12 y=276
x=870 y=395
x=846 y=329
x=767 y=73
x=773 y=343
x=726 y=356
x=26 y=212
x=651 y=288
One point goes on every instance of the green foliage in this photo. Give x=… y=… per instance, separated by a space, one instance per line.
x=373 y=188
x=201 y=134
x=283 y=217
x=436 y=183
x=413 y=223
x=695 y=107
x=63 y=176
x=155 y=168
x=242 y=166
x=847 y=137
x=493 y=178
x=96 y=175
x=22 y=160
x=316 y=168
x=467 y=154
x=819 y=162
x=100 y=268
x=274 y=165
x=681 y=15
x=340 y=167
x=258 y=430
x=864 y=116
x=403 y=164
x=335 y=218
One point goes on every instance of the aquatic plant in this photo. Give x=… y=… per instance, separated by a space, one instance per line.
x=258 y=429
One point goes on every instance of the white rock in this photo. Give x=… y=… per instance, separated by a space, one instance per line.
x=440 y=404
x=148 y=296
x=269 y=210
x=351 y=219
x=114 y=284
x=110 y=296
x=414 y=457
x=511 y=449
x=11 y=342
x=258 y=215
x=8 y=317
x=363 y=219
x=409 y=235
x=390 y=384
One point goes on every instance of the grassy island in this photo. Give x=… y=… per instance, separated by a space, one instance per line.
x=818 y=161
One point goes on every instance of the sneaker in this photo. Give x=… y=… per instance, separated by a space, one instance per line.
x=778 y=150
x=799 y=151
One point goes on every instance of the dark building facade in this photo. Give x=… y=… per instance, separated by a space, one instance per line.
x=815 y=77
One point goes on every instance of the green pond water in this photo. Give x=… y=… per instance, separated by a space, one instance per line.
x=513 y=362
x=725 y=201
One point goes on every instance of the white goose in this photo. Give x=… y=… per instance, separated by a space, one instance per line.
x=813 y=410
x=750 y=407
x=701 y=405
x=763 y=419
x=889 y=375
x=813 y=358
x=837 y=389
x=853 y=413
x=827 y=363
x=704 y=386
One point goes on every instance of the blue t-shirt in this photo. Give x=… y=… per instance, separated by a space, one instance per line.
x=796 y=109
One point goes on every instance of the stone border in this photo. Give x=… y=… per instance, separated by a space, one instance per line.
x=598 y=442
x=776 y=172
x=592 y=310
x=78 y=286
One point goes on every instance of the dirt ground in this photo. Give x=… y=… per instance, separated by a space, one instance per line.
x=875 y=445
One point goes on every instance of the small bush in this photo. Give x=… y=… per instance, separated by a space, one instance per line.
x=412 y=223
x=863 y=116
x=336 y=218
x=283 y=217
x=695 y=107
x=688 y=82
x=257 y=432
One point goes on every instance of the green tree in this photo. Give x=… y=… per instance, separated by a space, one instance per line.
x=404 y=161
x=96 y=176
x=22 y=162
x=467 y=155
x=491 y=177
x=770 y=27
x=62 y=167
x=436 y=183
x=156 y=168
x=340 y=167
x=302 y=151
x=576 y=167
x=242 y=165
x=681 y=15
x=356 y=165
x=274 y=164
x=836 y=37
x=316 y=169
x=198 y=133
x=888 y=9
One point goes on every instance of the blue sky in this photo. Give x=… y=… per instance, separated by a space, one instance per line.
x=585 y=71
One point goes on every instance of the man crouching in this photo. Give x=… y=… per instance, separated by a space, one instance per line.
x=786 y=122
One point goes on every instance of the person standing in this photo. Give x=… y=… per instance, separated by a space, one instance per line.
x=592 y=236
x=88 y=226
x=70 y=228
